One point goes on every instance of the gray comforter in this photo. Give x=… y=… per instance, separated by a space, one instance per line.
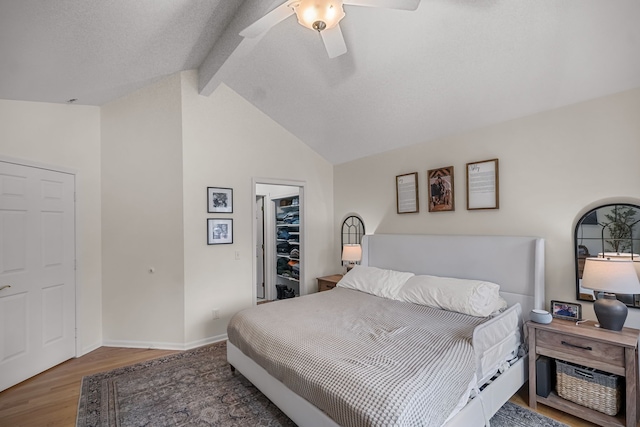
x=363 y=360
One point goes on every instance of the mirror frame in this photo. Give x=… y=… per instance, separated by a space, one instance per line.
x=591 y=215
x=352 y=230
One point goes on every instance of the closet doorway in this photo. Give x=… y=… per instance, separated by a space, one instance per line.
x=278 y=236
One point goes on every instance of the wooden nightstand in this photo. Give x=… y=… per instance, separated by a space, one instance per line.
x=328 y=282
x=586 y=345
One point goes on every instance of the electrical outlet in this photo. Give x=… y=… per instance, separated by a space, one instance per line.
x=215 y=313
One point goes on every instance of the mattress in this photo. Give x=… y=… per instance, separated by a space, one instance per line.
x=366 y=360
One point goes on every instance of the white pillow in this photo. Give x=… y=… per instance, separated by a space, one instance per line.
x=375 y=281
x=474 y=297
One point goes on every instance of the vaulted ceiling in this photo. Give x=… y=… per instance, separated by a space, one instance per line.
x=408 y=76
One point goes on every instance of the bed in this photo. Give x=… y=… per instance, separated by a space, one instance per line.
x=349 y=357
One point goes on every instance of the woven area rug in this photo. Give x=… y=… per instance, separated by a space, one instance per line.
x=512 y=415
x=197 y=388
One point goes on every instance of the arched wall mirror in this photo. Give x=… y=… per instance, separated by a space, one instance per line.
x=611 y=230
x=352 y=231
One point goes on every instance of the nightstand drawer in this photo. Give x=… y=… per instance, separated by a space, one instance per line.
x=582 y=347
x=328 y=282
x=613 y=352
x=325 y=285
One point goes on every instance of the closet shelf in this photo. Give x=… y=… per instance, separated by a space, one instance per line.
x=288 y=269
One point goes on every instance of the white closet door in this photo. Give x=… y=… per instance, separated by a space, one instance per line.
x=37 y=271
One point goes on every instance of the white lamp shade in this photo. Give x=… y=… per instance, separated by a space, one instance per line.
x=624 y=255
x=351 y=253
x=328 y=11
x=618 y=255
x=617 y=276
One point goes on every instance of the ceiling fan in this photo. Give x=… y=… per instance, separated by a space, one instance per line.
x=320 y=15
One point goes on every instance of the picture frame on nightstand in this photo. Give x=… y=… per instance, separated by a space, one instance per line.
x=566 y=310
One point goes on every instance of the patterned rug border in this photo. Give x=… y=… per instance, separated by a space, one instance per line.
x=514 y=415
x=90 y=382
x=95 y=388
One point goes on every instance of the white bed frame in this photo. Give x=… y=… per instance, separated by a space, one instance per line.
x=515 y=263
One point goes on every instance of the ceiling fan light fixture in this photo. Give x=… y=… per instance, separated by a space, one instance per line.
x=319 y=14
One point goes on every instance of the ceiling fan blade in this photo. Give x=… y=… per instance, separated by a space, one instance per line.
x=334 y=41
x=269 y=20
x=389 y=4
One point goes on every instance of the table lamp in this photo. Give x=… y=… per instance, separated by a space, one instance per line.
x=351 y=254
x=611 y=276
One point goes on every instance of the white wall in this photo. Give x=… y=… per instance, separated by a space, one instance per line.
x=66 y=136
x=554 y=166
x=144 y=162
x=227 y=142
x=142 y=218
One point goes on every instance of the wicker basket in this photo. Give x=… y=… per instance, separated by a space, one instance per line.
x=588 y=387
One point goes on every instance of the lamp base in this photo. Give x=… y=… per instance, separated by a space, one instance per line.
x=610 y=312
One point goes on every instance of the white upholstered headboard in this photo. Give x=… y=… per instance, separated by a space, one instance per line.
x=515 y=263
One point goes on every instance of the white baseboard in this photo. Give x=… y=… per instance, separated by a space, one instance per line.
x=87 y=350
x=143 y=344
x=206 y=341
x=164 y=345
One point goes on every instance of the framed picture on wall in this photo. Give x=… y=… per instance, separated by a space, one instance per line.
x=440 y=189
x=219 y=200
x=219 y=231
x=407 y=193
x=482 y=185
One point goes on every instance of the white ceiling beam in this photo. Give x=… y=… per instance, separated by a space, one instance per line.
x=230 y=41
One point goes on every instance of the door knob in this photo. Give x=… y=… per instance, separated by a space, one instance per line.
x=4 y=287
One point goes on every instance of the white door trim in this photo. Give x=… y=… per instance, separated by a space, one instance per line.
x=268 y=267
x=61 y=169
x=260 y=248
x=34 y=164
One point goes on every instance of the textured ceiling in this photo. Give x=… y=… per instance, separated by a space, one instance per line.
x=408 y=76
x=98 y=50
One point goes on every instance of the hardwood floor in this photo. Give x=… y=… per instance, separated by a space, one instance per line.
x=51 y=398
x=522 y=398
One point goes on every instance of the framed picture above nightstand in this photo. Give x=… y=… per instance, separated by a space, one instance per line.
x=328 y=282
